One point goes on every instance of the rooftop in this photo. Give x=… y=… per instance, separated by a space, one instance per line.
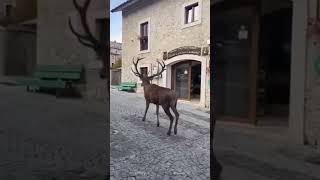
x=124 y=5
x=131 y=2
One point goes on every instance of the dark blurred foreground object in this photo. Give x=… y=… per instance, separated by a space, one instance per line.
x=216 y=168
x=101 y=49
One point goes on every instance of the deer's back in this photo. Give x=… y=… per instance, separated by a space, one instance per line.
x=159 y=95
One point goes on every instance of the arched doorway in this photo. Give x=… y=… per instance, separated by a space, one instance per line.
x=186 y=80
x=193 y=63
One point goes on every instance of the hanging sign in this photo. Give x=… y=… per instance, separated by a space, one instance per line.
x=184 y=50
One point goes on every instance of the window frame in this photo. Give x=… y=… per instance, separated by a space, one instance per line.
x=143 y=67
x=5 y=5
x=146 y=20
x=143 y=35
x=184 y=20
x=146 y=65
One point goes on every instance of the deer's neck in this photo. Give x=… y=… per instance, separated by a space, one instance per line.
x=146 y=88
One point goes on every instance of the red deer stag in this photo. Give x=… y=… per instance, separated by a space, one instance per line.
x=158 y=95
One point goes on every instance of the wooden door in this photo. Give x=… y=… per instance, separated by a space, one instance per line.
x=181 y=75
x=236 y=60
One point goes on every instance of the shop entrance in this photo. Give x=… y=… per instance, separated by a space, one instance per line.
x=186 y=80
x=252 y=52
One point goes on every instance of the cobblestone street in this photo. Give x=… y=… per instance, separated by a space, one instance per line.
x=43 y=137
x=141 y=150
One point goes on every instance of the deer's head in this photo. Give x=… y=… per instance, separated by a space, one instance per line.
x=145 y=78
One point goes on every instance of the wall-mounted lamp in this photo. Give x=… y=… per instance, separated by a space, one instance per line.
x=243 y=33
x=185 y=72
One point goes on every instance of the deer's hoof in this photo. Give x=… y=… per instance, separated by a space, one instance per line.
x=175 y=131
x=143 y=119
x=158 y=125
x=168 y=133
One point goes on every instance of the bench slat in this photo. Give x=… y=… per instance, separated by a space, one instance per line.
x=54 y=76
x=42 y=83
x=58 y=75
x=60 y=68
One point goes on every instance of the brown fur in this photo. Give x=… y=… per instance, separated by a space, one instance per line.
x=160 y=96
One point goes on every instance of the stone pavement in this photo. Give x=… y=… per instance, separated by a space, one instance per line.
x=141 y=150
x=43 y=137
x=250 y=153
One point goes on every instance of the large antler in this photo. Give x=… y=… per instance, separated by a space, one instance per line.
x=136 y=72
x=86 y=39
x=162 y=65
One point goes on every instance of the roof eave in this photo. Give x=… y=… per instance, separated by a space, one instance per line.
x=124 y=5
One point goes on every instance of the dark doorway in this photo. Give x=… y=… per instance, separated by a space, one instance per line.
x=274 y=64
x=232 y=60
x=195 y=81
x=252 y=52
x=186 y=80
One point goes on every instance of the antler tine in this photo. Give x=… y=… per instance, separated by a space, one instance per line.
x=136 y=66
x=86 y=4
x=133 y=61
x=81 y=38
x=87 y=39
x=162 y=64
x=76 y=5
x=159 y=72
x=135 y=73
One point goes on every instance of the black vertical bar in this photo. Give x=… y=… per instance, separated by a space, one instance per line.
x=317 y=17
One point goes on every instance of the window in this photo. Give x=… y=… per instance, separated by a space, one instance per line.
x=192 y=13
x=144 y=71
x=8 y=10
x=144 y=36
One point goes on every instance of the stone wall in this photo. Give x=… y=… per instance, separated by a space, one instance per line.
x=312 y=89
x=56 y=43
x=166 y=32
x=17 y=52
x=22 y=10
x=3 y=50
x=21 y=53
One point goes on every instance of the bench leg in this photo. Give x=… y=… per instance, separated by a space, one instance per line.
x=58 y=93
x=28 y=89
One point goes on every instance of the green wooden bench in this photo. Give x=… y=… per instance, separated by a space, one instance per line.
x=127 y=86
x=56 y=77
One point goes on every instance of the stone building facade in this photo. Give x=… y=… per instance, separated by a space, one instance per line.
x=304 y=92
x=310 y=49
x=178 y=32
x=17 y=37
x=57 y=45
x=15 y=11
x=115 y=52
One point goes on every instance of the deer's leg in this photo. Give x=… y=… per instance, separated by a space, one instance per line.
x=145 y=113
x=174 y=109
x=158 y=123
x=167 y=111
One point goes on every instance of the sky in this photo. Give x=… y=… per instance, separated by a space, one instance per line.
x=116 y=22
